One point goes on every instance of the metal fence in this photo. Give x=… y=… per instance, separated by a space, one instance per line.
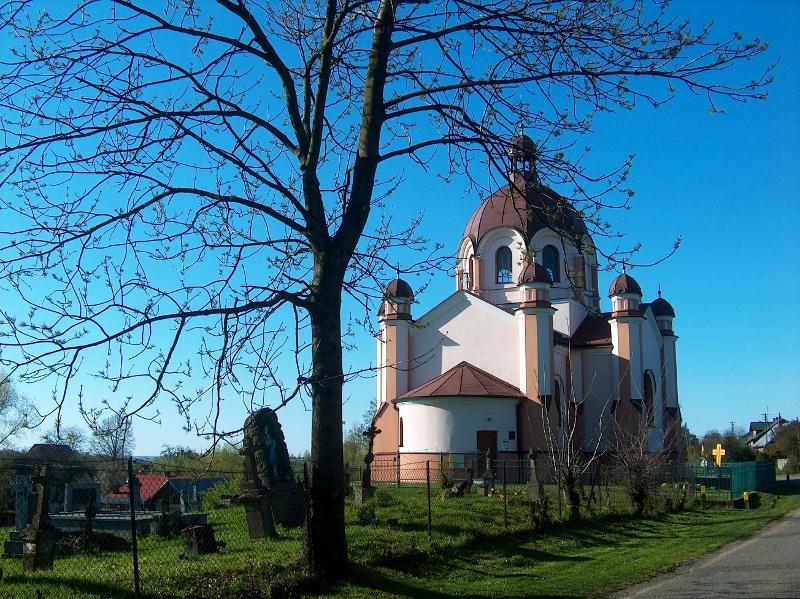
x=179 y=532
x=729 y=482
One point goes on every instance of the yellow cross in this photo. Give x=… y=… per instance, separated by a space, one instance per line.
x=718 y=452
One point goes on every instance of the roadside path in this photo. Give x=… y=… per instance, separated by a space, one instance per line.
x=767 y=565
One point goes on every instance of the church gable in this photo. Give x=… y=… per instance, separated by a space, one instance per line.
x=464 y=328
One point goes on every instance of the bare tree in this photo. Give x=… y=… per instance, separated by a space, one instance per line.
x=191 y=183
x=569 y=452
x=113 y=438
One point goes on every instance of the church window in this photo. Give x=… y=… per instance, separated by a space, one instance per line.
x=401 y=433
x=512 y=435
x=503 y=265
x=649 y=392
x=551 y=261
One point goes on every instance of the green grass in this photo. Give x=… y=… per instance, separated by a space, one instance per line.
x=587 y=560
x=471 y=553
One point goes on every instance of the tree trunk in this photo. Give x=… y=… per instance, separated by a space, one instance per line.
x=326 y=543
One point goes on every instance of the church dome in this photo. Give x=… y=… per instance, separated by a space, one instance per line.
x=399 y=289
x=623 y=284
x=534 y=273
x=527 y=207
x=662 y=307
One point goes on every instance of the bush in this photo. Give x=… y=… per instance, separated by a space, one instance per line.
x=383 y=498
x=366 y=513
x=229 y=486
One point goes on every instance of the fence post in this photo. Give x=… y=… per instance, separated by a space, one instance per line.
x=703 y=496
x=505 y=497
x=397 y=469
x=132 y=482
x=428 y=484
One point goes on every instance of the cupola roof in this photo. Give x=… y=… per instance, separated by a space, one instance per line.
x=526 y=206
x=623 y=284
x=399 y=289
x=662 y=307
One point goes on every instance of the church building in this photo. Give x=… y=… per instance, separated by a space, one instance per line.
x=523 y=349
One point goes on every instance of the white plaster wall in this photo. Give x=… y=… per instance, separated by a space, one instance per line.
x=569 y=315
x=501 y=293
x=464 y=328
x=451 y=423
x=599 y=391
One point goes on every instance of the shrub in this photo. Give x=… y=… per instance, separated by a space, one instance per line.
x=366 y=513
x=229 y=486
x=383 y=498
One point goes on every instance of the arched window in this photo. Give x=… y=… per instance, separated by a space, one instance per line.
x=503 y=265
x=401 y=433
x=552 y=262
x=649 y=393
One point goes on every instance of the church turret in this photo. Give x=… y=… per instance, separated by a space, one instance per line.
x=393 y=350
x=665 y=314
x=535 y=321
x=626 y=337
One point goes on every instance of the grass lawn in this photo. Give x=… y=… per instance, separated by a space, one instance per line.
x=472 y=553
x=582 y=561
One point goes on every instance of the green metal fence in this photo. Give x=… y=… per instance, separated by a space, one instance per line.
x=731 y=480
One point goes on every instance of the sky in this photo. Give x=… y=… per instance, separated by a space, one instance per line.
x=725 y=183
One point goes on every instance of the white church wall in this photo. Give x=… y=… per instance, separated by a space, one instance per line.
x=464 y=328
x=501 y=293
x=568 y=316
x=450 y=424
x=599 y=392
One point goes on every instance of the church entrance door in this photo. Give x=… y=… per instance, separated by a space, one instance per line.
x=487 y=443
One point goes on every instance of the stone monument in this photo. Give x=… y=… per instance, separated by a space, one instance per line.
x=269 y=491
x=366 y=491
x=39 y=537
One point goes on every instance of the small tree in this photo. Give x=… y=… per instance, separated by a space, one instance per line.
x=636 y=460
x=356 y=442
x=14 y=412
x=113 y=438
x=73 y=437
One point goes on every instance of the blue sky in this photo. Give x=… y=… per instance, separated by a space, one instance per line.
x=725 y=183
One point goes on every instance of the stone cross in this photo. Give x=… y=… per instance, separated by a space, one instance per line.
x=718 y=452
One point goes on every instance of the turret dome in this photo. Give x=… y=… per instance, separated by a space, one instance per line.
x=624 y=284
x=662 y=307
x=399 y=289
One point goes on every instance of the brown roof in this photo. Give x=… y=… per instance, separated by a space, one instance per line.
x=624 y=283
x=526 y=206
x=464 y=380
x=595 y=330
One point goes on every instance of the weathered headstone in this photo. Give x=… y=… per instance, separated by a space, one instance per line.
x=39 y=537
x=199 y=540
x=488 y=478
x=535 y=484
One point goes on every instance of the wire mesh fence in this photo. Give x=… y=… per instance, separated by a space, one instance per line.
x=106 y=528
